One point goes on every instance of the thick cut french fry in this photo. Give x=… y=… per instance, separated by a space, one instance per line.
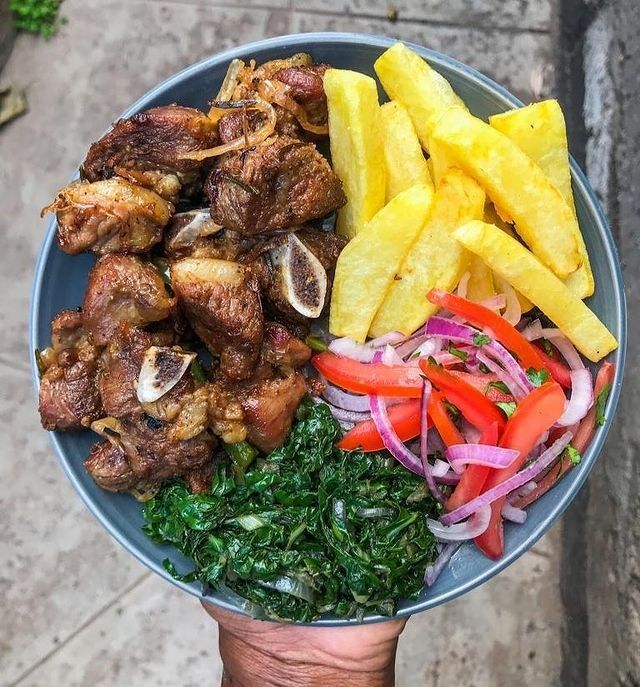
x=512 y=261
x=539 y=130
x=439 y=161
x=516 y=184
x=435 y=260
x=409 y=79
x=356 y=146
x=404 y=160
x=367 y=265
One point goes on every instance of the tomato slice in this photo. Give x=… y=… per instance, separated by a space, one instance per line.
x=558 y=370
x=587 y=427
x=441 y=421
x=369 y=378
x=404 y=418
x=473 y=478
x=535 y=414
x=502 y=330
x=472 y=403
x=481 y=383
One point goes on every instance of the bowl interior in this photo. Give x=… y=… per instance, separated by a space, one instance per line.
x=61 y=279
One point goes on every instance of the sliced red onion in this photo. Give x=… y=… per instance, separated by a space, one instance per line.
x=424 y=443
x=342 y=399
x=515 y=388
x=462 y=333
x=390 y=439
x=513 y=311
x=392 y=338
x=348 y=348
x=524 y=490
x=390 y=357
x=435 y=443
x=581 y=398
x=439 y=468
x=495 y=302
x=515 y=482
x=473 y=527
x=532 y=331
x=433 y=571
x=406 y=348
x=470 y=433
x=513 y=514
x=462 y=285
x=426 y=348
x=566 y=348
x=450 y=479
x=343 y=415
x=460 y=455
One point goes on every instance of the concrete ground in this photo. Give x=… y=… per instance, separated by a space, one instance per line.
x=77 y=609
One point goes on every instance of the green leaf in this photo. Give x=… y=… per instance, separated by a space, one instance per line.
x=501 y=386
x=601 y=402
x=315 y=343
x=537 y=377
x=483 y=368
x=573 y=455
x=548 y=348
x=453 y=410
x=198 y=371
x=480 y=339
x=508 y=408
x=463 y=355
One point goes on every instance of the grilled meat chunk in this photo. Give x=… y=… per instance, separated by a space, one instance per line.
x=222 y=302
x=278 y=184
x=152 y=141
x=108 y=217
x=239 y=123
x=269 y=406
x=283 y=350
x=109 y=467
x=305 y=82
x=123 y=288
x=199 y=479
x=325 y=245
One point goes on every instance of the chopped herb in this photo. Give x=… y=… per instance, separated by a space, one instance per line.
x=483 y=368
x=304 y=513
x=547 y=347
x=198 y=371
x=480 y=340
x=36 y=16
x=432 y=361
x=242 y=455
x=501 y=386
x=508 y=408
x=601 y=402
x=537 y=377
x=453 y=410
x=573 y=454
x=315 y=343
x=463 y=355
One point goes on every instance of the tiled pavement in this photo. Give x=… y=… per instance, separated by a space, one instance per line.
x=77 y=610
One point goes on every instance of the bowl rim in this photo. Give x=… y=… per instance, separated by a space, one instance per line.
x=291 y=41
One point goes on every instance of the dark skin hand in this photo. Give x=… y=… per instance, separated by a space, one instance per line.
x=257 y=653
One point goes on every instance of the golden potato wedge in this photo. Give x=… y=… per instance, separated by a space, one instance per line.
x=404 y=161
x=539 y=131
x=522 y=269
x=516 y=184
x=356 y=146
x=435 y=260
x=439 y=161
x=367 y=265
x=409 y=80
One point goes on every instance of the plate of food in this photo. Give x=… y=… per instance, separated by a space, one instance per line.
x=328 y=328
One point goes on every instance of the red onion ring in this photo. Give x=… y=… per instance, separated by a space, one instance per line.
x=473 y=527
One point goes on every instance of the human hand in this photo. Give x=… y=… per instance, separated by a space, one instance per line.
x=257 y=653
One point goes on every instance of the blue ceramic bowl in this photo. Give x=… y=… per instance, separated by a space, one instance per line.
x=60 y=282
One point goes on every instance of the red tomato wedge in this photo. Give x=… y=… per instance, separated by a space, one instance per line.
x=535 y=414
x=472 y=403
x=473 y=478
x=369 y=378
x=558 y=370
x=404 y=418
x=482 y=384
x=502 y=331
x=437 y=411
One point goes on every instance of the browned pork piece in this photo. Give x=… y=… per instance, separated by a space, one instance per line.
x=109 y=216
x=150 y=148
x=278 y=184
x=222 y=302
x=109 y=467
x=123 y=288
x=282 y=349
x=68 y=397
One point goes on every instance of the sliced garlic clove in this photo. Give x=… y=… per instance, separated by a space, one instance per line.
x=302 y=277
x=162 y=368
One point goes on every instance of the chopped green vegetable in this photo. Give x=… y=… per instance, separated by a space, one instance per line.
x=481 y=340
x=548 y=348
x=507 y=408
x=312 y=529
x=501 y=386
x=601 y=402
x=432 y=361
x=463 y=355
x=315 y=343
x=574 y=455
x=453 y=410
x=36 y=16
x=537 y=377
x=198 y=371
x=242 y=455
x=484 y=369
